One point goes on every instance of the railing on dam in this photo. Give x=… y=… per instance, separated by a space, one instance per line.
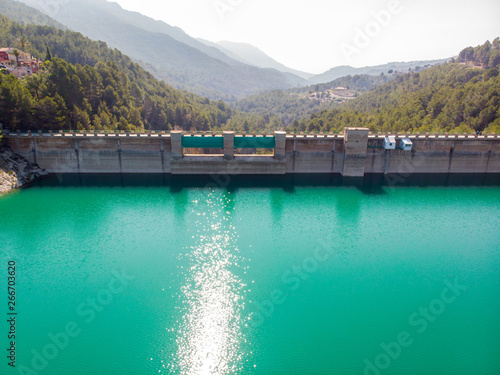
x=241 y=138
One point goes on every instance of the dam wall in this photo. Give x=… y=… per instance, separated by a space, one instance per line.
x=354 y=153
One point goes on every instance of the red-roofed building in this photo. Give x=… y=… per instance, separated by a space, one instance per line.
x=21 y=65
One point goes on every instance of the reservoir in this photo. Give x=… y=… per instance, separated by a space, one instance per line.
x=293 y=275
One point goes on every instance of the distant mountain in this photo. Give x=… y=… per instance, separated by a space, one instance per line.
x=166 y=51
x=460 y=96
x=88 y=86
x=251 y=55
x=24 y=14
x=223 y=70
x=154 y=26
x=345 y=70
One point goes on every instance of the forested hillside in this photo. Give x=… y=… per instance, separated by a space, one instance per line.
x=294 y=104
x=399 y=67
x=360 y=83
x=486 y=56
x=89 y=86
x=165 y=51
x=86 y=85
x=460 y=96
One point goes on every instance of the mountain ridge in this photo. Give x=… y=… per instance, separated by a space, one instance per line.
x=23 y=14
x=251 y=55
x=101 y=88
x=224 y=70
x=180 y=64
x=345 y=70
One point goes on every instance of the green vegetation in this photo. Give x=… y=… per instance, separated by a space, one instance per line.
x=461 y=96
x=24 y=14
x=165 y=51
x=67 y=96
x=359 y=83
x=389 y=68
x=84 y=85
x=89 y=86
x=290 y=105
x=486 y=56
x=282 y=105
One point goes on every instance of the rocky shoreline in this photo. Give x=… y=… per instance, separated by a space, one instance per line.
x=15 y=171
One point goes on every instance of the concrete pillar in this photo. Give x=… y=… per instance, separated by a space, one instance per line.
x=355 y=147
x=176 y=139
x=229 y=145
x=280 y=144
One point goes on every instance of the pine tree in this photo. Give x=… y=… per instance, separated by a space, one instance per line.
x=48 y=55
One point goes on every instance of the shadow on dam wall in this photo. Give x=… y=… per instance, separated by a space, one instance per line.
x=369 y=184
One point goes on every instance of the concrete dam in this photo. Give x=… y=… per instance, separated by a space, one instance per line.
x=353 y=154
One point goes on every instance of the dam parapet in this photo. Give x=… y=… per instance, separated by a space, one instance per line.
x=354 y=153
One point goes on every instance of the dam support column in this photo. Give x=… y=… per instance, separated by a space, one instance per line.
x=280 y=144
x=176 y=140
x=355 y=146
x=229 y=145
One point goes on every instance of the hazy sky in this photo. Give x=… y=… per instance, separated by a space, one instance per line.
x=316 y=35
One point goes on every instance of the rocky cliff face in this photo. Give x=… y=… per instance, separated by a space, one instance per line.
x=16 y=171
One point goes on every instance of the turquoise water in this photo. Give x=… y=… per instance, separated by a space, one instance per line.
x=159 y=275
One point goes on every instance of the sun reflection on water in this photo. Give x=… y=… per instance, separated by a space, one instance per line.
x=209 y=336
